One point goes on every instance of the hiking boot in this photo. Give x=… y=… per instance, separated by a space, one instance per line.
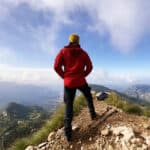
x=68 y=134
x=93 y=116
x=69 y=137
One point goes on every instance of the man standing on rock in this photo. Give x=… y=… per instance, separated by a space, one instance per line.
x=73 y=64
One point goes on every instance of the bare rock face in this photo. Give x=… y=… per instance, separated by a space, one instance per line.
x=137 y=141
x=105 y=132
x=147 y=140
x=125 y=132
x=127 y=139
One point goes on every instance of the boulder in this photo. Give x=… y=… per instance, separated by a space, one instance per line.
x=51 y=136
x=42 y=145
x=126 y=132
x=105 y=132
x=30 y=148
x=147 y=140
x=59 y=133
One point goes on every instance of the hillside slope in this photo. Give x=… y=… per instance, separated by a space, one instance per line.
x=18 y=121
x=112 y=130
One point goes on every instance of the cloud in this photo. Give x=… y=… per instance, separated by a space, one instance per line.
x=103 y=77
x=48 y=77
x=36 y=76
x=126 y=27
x=43 y=35
x=98 y=76
x=124 y=22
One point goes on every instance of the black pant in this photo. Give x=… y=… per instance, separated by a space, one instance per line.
x=69 y=94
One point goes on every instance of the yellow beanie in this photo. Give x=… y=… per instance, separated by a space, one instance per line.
x=74 y=38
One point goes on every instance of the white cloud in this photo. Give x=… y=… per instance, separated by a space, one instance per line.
x=36 y=76
x=102 y=77
x=48 y=77
x=124 y=21
x=45 y=37
x=98 y=76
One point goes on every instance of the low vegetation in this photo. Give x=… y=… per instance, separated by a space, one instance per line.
x=56 y=121
x=18 y=121
x=118 y=101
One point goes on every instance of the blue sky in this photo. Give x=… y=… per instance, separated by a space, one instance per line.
x=115 y=34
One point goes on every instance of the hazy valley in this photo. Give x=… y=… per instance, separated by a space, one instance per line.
x=30 y=95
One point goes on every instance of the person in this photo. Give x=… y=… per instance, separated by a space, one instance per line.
x=73 y=64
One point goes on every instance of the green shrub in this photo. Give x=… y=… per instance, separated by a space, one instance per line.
x=79 y=103
x=146 y=112
x=119 y=102
x=134 y=109
x=120 y=105
x=20 y=144
x=56 y=121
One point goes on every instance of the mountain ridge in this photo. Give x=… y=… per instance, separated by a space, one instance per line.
x=113 y=129
x=139 y=91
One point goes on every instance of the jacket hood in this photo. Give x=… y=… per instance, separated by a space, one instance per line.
x=73 y=50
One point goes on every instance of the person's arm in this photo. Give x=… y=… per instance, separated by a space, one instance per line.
x=58 y=63
x=88 y=65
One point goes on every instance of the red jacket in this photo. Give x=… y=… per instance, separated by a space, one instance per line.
x=73 y=64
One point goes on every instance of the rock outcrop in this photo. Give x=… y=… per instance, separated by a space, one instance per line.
x=112 y=130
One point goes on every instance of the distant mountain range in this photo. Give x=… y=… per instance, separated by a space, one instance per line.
x=139 y=91
x=129 y=94
x=98 y=88
x=49 y=98
x=27 y=94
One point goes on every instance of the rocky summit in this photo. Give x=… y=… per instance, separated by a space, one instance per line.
x=113 y=129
